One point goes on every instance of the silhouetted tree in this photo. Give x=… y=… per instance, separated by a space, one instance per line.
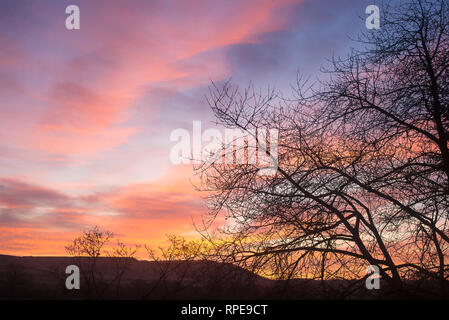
x=173 y=264
x=87 y=250
x=363 y=162
x=189 y=269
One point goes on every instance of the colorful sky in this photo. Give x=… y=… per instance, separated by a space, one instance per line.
x=86 y=114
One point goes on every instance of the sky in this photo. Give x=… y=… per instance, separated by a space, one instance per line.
x=86 y=115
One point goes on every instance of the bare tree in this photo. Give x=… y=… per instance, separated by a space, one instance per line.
x=87 y=250
x=172 y=264
x=189 y=269
x=122 y=257
x=363 y=162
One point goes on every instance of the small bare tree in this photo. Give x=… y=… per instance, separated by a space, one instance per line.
x=173 y=265
x=87 y=250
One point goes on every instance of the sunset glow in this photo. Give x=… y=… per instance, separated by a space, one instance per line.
x=87 y=115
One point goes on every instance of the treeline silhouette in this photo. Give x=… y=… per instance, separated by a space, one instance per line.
x=183 y=269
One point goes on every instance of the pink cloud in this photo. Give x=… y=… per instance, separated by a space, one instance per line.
x=141 y=213
x=69 y=96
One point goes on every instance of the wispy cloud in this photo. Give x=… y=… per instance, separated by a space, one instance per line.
x=86 y=114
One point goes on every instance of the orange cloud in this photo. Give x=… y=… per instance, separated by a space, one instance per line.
x=139 y=214
x=70 y=95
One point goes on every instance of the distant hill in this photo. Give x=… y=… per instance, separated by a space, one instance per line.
x=129 y=278
x=44 y=277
